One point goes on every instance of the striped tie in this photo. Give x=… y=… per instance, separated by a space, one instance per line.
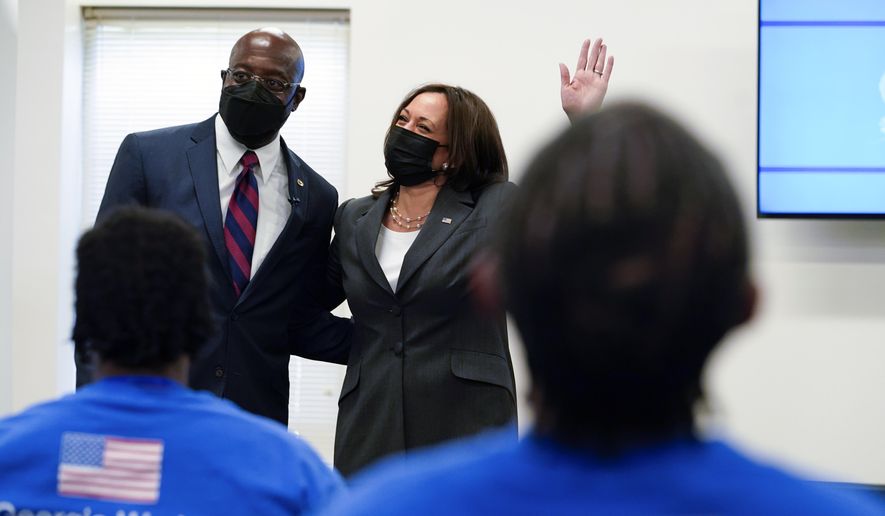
x=240 y=223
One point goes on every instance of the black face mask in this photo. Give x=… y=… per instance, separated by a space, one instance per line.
x=252 y=114
x=408 y=156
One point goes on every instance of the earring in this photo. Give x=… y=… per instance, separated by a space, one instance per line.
x=445 y=166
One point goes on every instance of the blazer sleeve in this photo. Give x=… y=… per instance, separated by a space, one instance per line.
x=126 y=182
x=315 y=333
x=333 y=293
x=125 y=185
x=321 y=336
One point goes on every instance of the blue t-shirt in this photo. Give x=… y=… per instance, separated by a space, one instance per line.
x=491 y=475
x=149 y=446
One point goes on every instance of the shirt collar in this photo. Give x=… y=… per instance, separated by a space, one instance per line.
x=231 y=151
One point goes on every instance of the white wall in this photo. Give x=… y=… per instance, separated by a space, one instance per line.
x=8 y=49
x=36 y=172
x=802 y=384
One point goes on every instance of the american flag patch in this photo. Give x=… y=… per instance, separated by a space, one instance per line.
x=104 y=467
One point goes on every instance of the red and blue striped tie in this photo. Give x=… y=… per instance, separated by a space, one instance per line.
x=240 y=223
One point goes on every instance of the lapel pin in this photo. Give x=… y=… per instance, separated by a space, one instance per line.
x=446 y=220
x=300 y=182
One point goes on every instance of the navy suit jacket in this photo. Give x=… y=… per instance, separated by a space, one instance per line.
x=175 y=169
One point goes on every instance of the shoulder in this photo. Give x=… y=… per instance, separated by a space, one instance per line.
x=358 y=205
x=288 y=458
x=352 y=209
x=33 y=418
x=316 y=182
x=496 y=193
x=260 y=440
x=761 y=488
x=258 y=429
x=435 y=481
x=178 y=132
x=34 y=431
x=228 y=415
x=502 y=188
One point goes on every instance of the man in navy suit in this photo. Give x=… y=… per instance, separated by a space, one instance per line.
x=266 y=219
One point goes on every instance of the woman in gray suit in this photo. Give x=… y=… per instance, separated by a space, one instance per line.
x=426 y=365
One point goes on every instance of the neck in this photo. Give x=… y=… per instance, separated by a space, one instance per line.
x=176 y=370
x=417 y=200
x=605 y=439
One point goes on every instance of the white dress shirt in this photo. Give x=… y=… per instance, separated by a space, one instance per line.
x=273 y=187
x=390 y=249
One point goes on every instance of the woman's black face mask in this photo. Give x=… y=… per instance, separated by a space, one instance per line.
x=252 y=114
x=408 y=156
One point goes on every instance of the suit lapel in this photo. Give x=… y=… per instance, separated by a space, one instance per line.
x=299 y=189
x=203 y=164
x=366 y=231
x=449 y=211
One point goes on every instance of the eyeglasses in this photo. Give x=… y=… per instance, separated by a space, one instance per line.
x=241 y=77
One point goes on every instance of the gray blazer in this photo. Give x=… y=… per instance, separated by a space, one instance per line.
x=425 y=365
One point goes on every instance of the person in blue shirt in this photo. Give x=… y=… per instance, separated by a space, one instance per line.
x=624 y=262
x=137 y=441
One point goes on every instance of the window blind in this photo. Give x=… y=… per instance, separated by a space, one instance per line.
x=149 y=68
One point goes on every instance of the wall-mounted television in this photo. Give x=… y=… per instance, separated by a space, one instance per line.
x=821 y=108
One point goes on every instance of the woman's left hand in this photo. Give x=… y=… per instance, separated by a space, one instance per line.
x=584 y=92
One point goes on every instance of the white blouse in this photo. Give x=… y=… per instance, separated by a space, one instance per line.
x=390 y=249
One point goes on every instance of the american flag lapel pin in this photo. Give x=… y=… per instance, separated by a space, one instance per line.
x=446 y=220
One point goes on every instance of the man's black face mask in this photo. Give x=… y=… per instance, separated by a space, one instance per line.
x=252 y=114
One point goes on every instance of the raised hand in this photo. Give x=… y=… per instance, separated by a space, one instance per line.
x=585 y=91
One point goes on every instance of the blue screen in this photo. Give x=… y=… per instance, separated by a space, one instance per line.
x=821 y=107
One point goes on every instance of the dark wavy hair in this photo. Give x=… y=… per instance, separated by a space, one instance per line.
x=141 y=290
x=476 y=154
x=624 y=262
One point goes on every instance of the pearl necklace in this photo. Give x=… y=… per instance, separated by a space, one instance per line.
x=403 y=221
